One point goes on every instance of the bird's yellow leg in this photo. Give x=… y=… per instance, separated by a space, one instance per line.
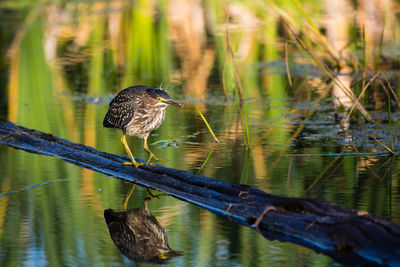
x=127 y=197
x=151 y=155
x=128 y=151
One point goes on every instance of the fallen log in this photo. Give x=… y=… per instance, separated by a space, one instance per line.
x=349 y=236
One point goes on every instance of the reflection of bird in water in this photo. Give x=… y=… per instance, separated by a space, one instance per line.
x=137 y=111
x=139 y=236
x=130 y=192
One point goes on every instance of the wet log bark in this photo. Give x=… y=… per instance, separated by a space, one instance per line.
x=349 y=236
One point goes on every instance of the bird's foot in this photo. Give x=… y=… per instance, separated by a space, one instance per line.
x=153 y=157
x=137 y=165
x=151 y=195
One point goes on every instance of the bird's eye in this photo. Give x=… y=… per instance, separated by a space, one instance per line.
x=160 y=99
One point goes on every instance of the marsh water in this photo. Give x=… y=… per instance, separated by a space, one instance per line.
x=61 y=64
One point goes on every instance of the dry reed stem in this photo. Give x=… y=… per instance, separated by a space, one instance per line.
x=361 y=94
x=391 y=89
x=328 y=71
x=383 y=145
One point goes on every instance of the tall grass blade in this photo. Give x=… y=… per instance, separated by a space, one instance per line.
x=205 y=121
x=378 y=56
x=364 y=57
x=356 y=46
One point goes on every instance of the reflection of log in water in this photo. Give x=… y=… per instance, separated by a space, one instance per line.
x=348 y=236
x=139 y=236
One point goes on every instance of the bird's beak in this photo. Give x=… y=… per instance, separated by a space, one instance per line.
x=172 y=103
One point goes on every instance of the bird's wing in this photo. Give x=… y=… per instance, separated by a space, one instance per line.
x=119 y=115
x=120 y=112
x=123 y=106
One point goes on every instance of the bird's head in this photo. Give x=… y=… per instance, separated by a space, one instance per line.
x=163 y=99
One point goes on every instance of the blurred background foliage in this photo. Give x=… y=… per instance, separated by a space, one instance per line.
x=300 y=66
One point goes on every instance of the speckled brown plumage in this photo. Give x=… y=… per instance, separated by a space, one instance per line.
x=137 y=111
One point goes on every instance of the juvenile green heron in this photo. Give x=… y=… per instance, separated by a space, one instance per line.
x=137 y=111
